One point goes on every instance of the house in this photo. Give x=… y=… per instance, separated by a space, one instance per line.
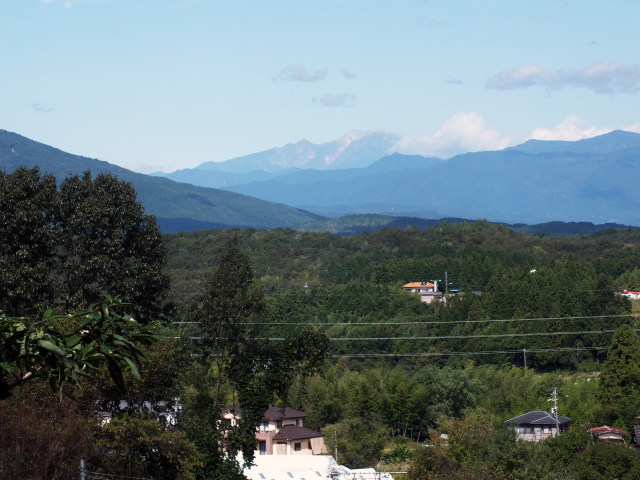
x=538 y=425
x=282 y=432
x=608 y=434
x=629 y=294
x=428 y=291
x=635 y=437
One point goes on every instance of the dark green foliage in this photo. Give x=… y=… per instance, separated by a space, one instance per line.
x=620 y=374
x=69 y=247
x=141 y=447
x=359 y=442
x=29 y=239
x=603 y=460
x=109 y=245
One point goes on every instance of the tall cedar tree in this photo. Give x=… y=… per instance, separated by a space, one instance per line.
x=246 y=369
x=620 y=375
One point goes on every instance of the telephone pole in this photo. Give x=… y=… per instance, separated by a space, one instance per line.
x=554 y=399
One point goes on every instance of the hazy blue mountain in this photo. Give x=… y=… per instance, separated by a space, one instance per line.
x=354 y=150
x=587 y=181
x=177 y=206
x=398 y=161
x=212 y=178
x=615 y=141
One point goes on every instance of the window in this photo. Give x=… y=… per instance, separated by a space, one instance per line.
x=279 y=423
x=265 y=426
x=298 y=422
x=297 y=447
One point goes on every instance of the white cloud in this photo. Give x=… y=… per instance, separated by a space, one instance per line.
x=468 y=132
x=633 y=128
x=520 y=78
x=298 y=73
x=463 y=132
x=601 y=77
x=569 y=129
x=604 y=77
x=337 y=100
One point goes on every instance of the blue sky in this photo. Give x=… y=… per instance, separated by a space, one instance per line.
x=167 y=84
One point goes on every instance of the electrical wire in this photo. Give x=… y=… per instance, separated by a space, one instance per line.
x=431 y=322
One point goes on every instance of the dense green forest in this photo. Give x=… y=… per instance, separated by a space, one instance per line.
x=530 y=313
x=316 y=321
x=520 y=291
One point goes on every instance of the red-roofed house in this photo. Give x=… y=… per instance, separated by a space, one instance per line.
x=630 y=294
x=608 y=434
x=427 y=290
x=282 y=432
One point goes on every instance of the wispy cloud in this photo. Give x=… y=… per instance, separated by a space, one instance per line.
x=520 y=78
x=348 y=75
x=463 y=132
x=601 y=77
x=298 y=73
x=569 y=129
x=42 y=108
x=337 y=100
x=453 y=81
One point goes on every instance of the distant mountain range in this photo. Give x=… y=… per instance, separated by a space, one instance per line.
x=177 y=206
x=354 y=150
x=591 y=181
x=594 y=180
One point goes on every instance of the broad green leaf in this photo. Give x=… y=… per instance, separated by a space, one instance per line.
x=47 y=345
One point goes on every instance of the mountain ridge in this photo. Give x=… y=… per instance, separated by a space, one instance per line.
x=168 y=200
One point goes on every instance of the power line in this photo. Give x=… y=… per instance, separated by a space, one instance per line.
x=431 y=322
x=488 y=352
x=441 y=337
x=455 y=337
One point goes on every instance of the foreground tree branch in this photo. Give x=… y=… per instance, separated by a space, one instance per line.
x=65 y=348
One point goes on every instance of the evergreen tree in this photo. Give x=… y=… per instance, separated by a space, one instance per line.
x=620 y=375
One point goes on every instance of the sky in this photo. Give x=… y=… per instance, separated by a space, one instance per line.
x=168 y=84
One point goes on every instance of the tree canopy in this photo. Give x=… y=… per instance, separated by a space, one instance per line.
x=66 y=248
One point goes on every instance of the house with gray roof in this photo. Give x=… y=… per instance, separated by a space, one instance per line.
x=538 y=425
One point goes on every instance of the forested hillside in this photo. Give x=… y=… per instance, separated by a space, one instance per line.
x=530 y=313
x=551 y=296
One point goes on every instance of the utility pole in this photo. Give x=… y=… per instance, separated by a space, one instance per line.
x=446 y=284
x=554 y=399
